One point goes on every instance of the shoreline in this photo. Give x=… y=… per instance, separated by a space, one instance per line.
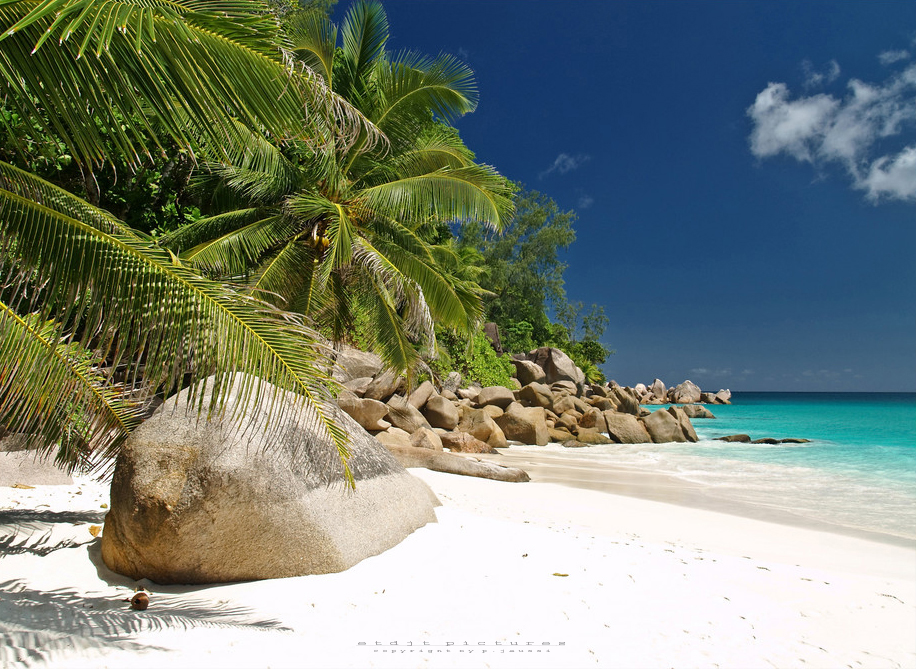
x=607 y=580
x=576 y=472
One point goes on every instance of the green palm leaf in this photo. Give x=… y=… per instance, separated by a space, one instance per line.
x=48 y=386
x=147 y=307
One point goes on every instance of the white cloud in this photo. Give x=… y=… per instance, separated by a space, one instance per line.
x=893 y=177
x=820 y=129
x=891 y=57
x=814 y=78
x=586 y=201
x=565 y=163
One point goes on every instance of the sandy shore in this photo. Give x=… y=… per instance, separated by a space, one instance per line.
x=512 y=575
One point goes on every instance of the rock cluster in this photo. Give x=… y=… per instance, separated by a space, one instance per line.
x=684 y=393
x=552 y=403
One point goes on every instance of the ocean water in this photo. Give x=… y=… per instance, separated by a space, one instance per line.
x=858 y=471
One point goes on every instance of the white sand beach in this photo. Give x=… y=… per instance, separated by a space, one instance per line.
x=512 y=575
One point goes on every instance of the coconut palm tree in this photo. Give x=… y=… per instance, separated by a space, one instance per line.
x=333 y=233
x=93 y=315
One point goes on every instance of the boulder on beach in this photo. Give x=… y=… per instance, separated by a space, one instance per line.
x=462 y=442
x=495 y=395
x=404 y=415
x=669 y=425
x=440 y=412
x=736 y=438
x=369 y=414
x=197 y=501
x=525 y=424
x=625 y=428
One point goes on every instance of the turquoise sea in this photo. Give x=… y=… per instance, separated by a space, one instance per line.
x=857 y=473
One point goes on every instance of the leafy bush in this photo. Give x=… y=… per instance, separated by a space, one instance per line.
x=477 y=362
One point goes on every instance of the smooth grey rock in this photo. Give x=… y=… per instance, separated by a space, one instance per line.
x=351 y=363
x=626 y=399
x=495 y=395
x=393 y=436
x=528 y=372
x=440 y=412
x=686 y=393
x=592 y=436
x=368 y=413
x=196 y=501
x=697 y=411
x=421 y=394
x=452 y=382
x=525 y=424
x=663 y=427
x=404 y=415
x=385 y=385
x=625 y=428
x=724 y=396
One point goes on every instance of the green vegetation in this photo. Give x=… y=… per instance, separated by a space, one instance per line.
x=206 y=187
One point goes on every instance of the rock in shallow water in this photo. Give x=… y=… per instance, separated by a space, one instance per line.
x=204 y=502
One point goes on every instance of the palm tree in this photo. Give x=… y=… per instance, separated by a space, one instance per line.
x=94 y=316
x=335 y=233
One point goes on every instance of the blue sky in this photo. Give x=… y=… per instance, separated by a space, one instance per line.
x=744 y=174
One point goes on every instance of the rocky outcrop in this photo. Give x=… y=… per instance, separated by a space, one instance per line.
x=685 y=393
x=463 y=442
x=351 y=363
x=669 y=425
x=527 y=372
x=557 y=366
x=370 y=414
x=625 y=428
x=194 y=501
x=441 y=412
x=697 y=411
x=527 y=425
x=495 y=395
x=404 y=415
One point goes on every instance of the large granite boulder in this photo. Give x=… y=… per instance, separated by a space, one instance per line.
x=527 y=372
x=626 y=400
x=405 y=415
x=421 y=394
x=369 y=414
x=724 y=396
x=625 y=428
x=385 y=385
x=658 y=390
x=440 y=412
x=426 y=438
x=536 y=394
x=669 y=425
x=663 y=427
x=465 y=443
x=686 y=393
x=525 y=424
x=495 y=395
x=197 y=501
x=557 y=366
x=697 y=411
x=351 y=363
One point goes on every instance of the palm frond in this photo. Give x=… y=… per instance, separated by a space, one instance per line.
x=473 y=193
x=233 y=253
x=148 y=310
x=49 y=388
x=313 y=38
x=95 y=64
